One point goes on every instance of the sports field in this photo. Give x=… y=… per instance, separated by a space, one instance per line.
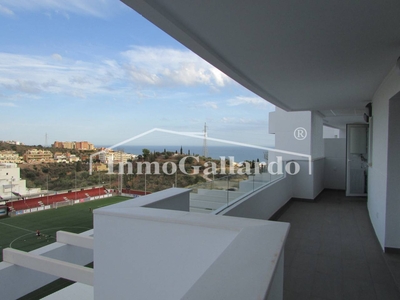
x=19 y=232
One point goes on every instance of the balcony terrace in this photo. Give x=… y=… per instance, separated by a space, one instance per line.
x=332 y=252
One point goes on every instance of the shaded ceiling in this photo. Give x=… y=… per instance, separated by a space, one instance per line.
x=298 y=55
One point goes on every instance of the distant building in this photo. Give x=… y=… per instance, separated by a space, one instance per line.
x=7 y=156
x=84 y=157
x=35 y=156
x=60 y=157
x=73 y=158
x=64 y=145
x=83 y=146
x=115 y=156
x=106 y=156
x=13 y=142
x=58 y=144
x=99 y=167
x=69 y=145
x=10 y=182
x=121 y=156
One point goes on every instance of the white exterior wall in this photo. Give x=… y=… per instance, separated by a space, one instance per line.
x=393 y=187
x=335 y=164
x=284 y=124
x=7 y=172
x=378 y=171
x=307 y=186
x=342 y=133
x=317 y=136
x=318 y=173
x=330 y=133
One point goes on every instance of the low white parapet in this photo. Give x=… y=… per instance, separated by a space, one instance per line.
x=17 y=281
x=171 y=199
x=49 y=266
x=165 y=254
x=75 y=239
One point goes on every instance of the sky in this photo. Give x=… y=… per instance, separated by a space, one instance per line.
x=97 y=71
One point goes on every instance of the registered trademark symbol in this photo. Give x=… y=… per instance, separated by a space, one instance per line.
x=300 y=133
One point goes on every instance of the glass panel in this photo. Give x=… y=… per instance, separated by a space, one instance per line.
x=221 y=192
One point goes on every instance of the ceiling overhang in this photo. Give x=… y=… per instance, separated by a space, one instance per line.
x=297 y=55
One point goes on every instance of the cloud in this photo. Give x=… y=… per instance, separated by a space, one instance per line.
x=25 y=86
x=38 y=75
x=56 y=56
x=6 y=11
x=231 y=120
x=256 y=101
x=138 y=73
x=209 y=104
x=7 y=104
x=170 y=67
x=236 y=121
x=97 y=8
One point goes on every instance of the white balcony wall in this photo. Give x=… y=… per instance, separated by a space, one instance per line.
x=283 y=124
x=29 y=280
x=342 y=133
x=378 y=170
x=265 y=202
x=317 y=136
x=306 y=186
x=335 y=163
x=166 y=254
x=330 y=133
x=173 y=198
x=393 y=186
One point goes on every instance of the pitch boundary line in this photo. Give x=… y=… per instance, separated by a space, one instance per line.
x=16 y=227
x=53 y=228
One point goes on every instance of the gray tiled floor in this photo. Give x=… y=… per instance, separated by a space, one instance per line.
x=332 y=252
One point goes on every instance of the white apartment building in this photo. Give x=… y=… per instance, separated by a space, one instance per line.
x=115 y=157
x=106 y=156
x=10 y=181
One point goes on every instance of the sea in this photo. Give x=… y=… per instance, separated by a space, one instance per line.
x=239 y=153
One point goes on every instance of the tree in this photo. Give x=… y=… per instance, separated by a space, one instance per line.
x=181 y=150
x=146 y=153
x=189 y=160
x=78 y=167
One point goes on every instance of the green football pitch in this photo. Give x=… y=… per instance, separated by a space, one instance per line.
x=19 y=232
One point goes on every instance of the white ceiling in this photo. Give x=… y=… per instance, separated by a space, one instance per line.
x=298 y=55
x=338 y=118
